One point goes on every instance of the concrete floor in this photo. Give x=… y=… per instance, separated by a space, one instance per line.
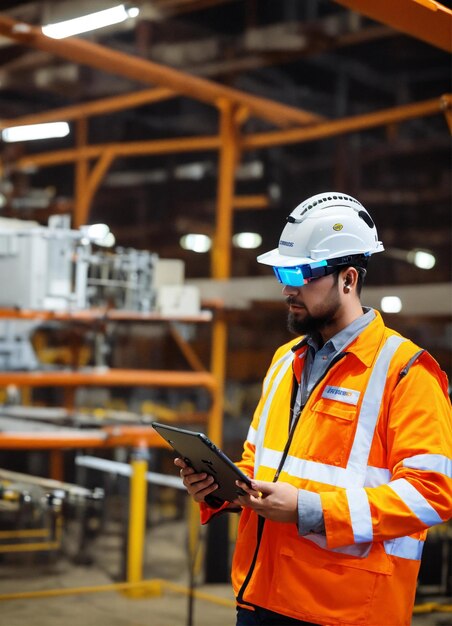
x=165 y=558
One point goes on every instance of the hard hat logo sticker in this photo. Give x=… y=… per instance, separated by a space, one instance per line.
x=338 y=227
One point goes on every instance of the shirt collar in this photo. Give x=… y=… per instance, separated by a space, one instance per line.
x=345 y=336
x=361 y=337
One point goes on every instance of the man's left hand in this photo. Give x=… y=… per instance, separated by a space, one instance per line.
x=275 y=501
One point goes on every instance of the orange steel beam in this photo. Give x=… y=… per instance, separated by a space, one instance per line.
x=218 y=366
x=230 y=120
x=91 y=109
x=221 y=249
x=114 y=377
x=147 y=72
x=107 y=437
x=424 y=19
x=349 y=124
x=187 y=350
x=248 y=142
x=93 y=181
x=136 y=148
x=250 y=202
x=81 y=167
x=100 y=315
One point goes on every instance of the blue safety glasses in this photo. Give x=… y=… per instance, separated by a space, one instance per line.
x=302 y=274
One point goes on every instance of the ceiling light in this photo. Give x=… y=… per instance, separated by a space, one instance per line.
x=86 y=23
x=247 y=240
x=95 y=232
x=196 y=242
x=106 y=242
x=391 y=304
x=31 y=132
x=191 y=171
x=423 y=259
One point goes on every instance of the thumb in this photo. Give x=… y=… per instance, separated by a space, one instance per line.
x=262 y=486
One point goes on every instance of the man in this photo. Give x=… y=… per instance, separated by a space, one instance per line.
x=349 y=448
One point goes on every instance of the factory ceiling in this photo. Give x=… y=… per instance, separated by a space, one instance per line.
x=317 y=57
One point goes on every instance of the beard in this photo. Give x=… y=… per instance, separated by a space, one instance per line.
x=312 y=322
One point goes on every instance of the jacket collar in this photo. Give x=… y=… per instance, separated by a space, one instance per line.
x=364 y=347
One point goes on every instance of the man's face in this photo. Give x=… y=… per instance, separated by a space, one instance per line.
x=314 y=306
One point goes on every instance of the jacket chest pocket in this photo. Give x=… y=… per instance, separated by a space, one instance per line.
x=325 y=432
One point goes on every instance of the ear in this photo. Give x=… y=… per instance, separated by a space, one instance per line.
x=349 y=278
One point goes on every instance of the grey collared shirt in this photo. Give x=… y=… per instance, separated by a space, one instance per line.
x=310 y=514
x=318 y=360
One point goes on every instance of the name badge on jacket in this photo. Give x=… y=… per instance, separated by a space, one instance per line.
x=349 y=396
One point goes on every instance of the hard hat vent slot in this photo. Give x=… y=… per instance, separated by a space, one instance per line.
x=366 y=217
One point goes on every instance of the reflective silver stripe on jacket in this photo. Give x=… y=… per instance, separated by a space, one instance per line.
x=404 y=548
x=415 y=501
x=286 y=363
x=356 y=472
x=430 y=463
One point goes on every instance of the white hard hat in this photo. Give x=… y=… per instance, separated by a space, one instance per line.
x=326 y=226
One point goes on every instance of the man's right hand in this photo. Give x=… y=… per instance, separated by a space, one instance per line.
x=198 y=485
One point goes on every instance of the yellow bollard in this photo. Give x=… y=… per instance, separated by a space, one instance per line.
x=137 y=520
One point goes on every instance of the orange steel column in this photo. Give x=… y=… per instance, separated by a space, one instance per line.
x=56 y=464
x=218 y=368
x=221 y=250
x=96 y=175
x=87 y=181
x=221 y=253
x=426 y=20
x=81 y=171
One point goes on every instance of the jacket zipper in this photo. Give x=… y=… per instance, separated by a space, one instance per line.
x=261 y=520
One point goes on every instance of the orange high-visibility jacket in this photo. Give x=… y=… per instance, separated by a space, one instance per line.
x=375 y=441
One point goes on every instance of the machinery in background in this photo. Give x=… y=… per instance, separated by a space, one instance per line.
x=33 y=511
x=58 y=269
x=78 y=293
x=55 y=268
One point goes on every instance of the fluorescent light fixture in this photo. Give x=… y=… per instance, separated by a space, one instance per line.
x=391 y=304
x=196 y=242
x=86 y=23
x=95 y=232
x=247 y=240
x=106 y=242
x=423 y=259
x=99 y=234
x=35 y=131
x=191 y=171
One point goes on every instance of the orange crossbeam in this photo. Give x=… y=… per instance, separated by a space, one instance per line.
x=91 y=109
x=426 y=20
x=148 y=72
x=106 y=437
x=101 y=315
x=320 y=131
x=105 y=377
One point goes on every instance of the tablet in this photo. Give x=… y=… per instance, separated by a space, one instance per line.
x=203 y=456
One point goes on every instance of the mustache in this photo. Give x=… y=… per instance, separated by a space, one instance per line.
x=290 y=300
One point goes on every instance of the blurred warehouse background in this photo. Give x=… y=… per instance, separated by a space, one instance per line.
x=129 y=289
